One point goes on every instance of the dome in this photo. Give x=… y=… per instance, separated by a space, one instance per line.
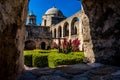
x=54 y=11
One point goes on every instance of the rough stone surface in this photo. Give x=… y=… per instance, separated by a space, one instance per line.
x=51 y=78
x=101 y=29
x=72 y=72
x=101 y=32
x=75 y=69
x=95 y=65
x=12 y=20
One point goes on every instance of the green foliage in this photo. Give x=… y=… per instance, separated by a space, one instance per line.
x=51 y=59
x=65 y=59
x=44 y=51
x=28 y=59
x=40 y=60
x=67 y=46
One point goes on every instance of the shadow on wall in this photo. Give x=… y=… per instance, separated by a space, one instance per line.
x=104 y=18
x=43 y=45
x=30 y=45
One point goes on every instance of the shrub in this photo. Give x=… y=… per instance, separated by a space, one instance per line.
x=55 y=45
x=67 y=46
x=28 y=59
x=65 y=59
x=36 y=59
x=44 y=51
x=40 y=60
x=53 y=51
x=75 y=44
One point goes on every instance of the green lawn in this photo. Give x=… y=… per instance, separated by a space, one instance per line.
x=51 y=58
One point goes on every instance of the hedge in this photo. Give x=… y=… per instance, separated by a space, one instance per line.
x=52 y=58
x=65 y=59
x=28 y=59
x=40 y=60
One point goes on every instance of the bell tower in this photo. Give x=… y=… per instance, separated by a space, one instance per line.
x=31 y=19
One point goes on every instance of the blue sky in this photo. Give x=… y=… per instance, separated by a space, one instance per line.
x=39 y=7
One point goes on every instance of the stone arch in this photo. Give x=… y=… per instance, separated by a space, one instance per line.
x=43 y=45
x=59 y=31
x=75 y=30
x=30 y=45
x=73 y=26
x=66 y=29
x=96 y=15
x=55 y=33
x=51 y=33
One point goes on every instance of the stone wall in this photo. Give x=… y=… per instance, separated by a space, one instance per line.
x=103 y=43
x=101 y=40
x=12 y=21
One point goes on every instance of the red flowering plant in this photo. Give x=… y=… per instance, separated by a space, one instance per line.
x=75 y=44
x=59 y=46
x=55 y=45
x=67 y=46
x=70 y=46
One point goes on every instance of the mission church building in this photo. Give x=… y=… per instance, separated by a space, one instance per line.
x=54 y=26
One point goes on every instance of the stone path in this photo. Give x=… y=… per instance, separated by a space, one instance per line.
x=88 y=71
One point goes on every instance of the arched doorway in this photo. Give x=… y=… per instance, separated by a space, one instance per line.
x=54 y=33
x=59 y=32
x=30 y=45
x=74 y=26
x=66 y=29
x=43 y=45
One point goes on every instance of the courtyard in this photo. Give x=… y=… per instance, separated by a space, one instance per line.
x=53 y=65
x=97 y=27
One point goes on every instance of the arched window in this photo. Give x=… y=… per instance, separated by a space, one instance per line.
x=54 y=33
x=59 y=32
x=74 y=26
x=30 y=45
x=51 y=33
x=75 y=30
x=45 y=22
x=66 y=29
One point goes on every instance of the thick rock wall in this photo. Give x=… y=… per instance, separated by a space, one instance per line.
x=103 y=43
x=12 y=21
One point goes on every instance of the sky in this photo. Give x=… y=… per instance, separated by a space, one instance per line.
x=39 y=7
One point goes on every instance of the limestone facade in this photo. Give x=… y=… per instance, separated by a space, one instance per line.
x=69 y=28
x=54 y=26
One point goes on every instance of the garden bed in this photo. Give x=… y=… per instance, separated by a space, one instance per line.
x=51 y=58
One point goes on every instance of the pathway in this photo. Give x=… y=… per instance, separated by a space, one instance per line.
x=88 y=71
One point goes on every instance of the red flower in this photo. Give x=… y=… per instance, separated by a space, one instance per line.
x=55 y=45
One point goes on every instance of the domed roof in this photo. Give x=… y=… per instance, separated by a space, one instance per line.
x=54 y=11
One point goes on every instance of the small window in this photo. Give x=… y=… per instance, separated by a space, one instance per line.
x=45 y=22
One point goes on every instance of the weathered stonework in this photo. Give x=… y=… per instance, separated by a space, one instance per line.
x=54 y=26
x=104 y=26
x=77 y=17
x=12 y=20
x=101 y=42
x=38 y=35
